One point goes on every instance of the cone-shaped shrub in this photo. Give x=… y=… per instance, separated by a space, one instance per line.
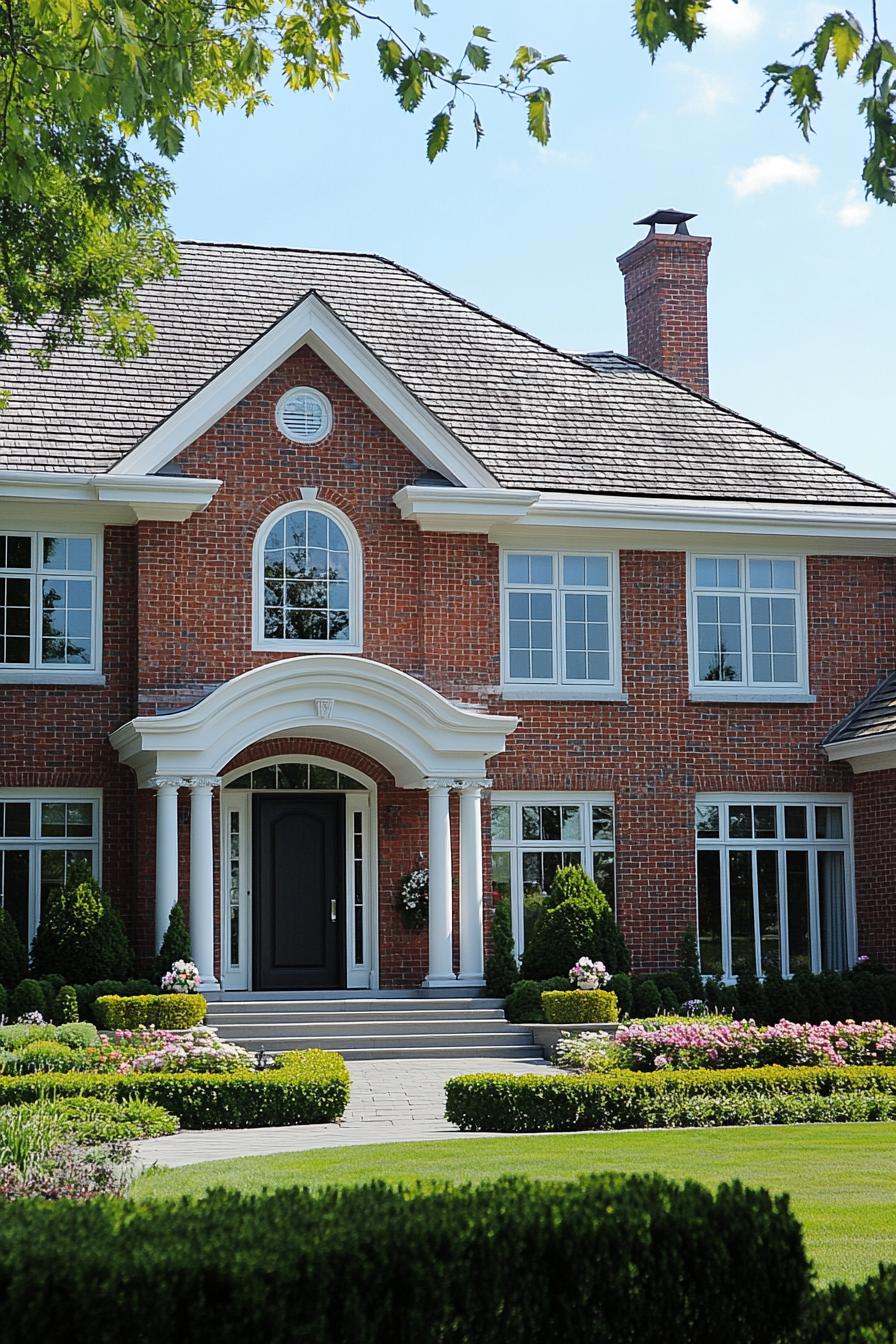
x=80 y=936
x=13 y=953
x=578 y=922
x=176 y=945
x=501 y=970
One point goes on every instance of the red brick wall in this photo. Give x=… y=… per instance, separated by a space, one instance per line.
x=665 y=303
x=874 y=821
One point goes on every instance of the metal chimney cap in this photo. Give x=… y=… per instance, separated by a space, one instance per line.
x=677 y=217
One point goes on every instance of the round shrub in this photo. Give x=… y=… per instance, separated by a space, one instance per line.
x=523 y=1003
x=580 y=1005
x=65 y=1009
x=176 y=944
x=172 y=1012
x=13 y=953
x=581 y=926
x=27 y=997
x=646 y=999
x=79 y=1035
x=44 y=1057
x=501 y=970
x=81 y=936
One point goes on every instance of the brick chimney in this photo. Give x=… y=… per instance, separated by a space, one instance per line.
x=665 y=300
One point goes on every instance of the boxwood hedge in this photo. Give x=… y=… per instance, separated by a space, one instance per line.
x=511 y=1262
x=306 y=1087
x=624 y=1100
x=171 y=1012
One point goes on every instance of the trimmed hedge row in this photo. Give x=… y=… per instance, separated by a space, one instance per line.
x=307 y=1087
x=625 y=1100
x=580 y=1005
x=169 y=1012
x=509 y=1262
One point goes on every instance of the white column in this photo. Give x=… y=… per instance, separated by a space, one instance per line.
x=441 y=964
x=202 y=879
x=472 y=954
x=167 y=882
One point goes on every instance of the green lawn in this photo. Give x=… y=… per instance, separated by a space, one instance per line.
x=841 y=1178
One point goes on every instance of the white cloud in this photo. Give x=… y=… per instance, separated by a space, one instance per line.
x=770 y=171
x=734 y=22
x=706 y=92
x=855 y=210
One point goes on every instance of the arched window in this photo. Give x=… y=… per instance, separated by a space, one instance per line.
x=307 y=566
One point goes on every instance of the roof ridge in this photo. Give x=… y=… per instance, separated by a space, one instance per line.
x=738 y=415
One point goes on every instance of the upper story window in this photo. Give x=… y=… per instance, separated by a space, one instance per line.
x=48 y=602
x=748 y=624
x=308 y=580
x=560 y=620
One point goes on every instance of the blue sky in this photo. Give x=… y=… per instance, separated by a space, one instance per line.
x=802 y=282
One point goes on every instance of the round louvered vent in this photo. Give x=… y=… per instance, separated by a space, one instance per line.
x=304 y=415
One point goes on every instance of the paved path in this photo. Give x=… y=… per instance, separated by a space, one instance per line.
x=392 y=1101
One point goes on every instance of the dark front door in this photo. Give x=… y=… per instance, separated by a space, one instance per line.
x=298 y=889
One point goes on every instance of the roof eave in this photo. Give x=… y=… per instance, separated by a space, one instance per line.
x=101 y=498
x=865 y=754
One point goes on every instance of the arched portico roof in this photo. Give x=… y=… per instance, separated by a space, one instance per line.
x=410 y=728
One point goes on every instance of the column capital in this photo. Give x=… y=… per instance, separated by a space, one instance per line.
x=166 y=782
x=198 y=783
x=439 y=785
x=473 y=785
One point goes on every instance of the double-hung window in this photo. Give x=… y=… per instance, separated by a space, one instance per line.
x=748 y=624
x=48 y=603
x=560 y=621
x=41 y=835
x=774 y=884
x=535 y=834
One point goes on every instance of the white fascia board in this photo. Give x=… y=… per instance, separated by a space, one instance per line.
x=865 y=754
x=636 y=523
x=101 y=498
x=310 y=323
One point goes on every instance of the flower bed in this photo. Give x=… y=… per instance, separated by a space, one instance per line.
x=305 y=1087
x=695 y=1045
x=670 y=1099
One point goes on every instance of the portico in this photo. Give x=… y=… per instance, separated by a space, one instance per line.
x=423 y=740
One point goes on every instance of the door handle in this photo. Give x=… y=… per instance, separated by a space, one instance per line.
x=333 y=911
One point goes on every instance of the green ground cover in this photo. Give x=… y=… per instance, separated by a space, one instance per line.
x=841 y=1178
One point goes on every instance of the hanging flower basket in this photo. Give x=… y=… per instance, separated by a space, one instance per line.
x=413 y=896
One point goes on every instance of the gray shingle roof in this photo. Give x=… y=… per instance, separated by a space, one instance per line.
x=534 y=416
x=872 y=717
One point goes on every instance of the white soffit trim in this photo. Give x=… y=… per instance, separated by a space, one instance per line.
x=668 y=524
x=865 y=754
x=311 y=322
x=102 y=498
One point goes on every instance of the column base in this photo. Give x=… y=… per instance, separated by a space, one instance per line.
x=209 y=985
x=471 y=981
x=440 y=982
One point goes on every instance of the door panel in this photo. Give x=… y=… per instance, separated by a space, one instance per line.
x=298 y=902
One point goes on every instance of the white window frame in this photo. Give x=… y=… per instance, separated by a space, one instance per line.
x=326 y=406
x=35 y=671
x=748 y=689
x=782 y=844
x=516 y=846
x=354 y=643
x=559 y=687
x=34 y=842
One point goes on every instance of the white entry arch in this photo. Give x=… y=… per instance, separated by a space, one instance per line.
x=423 y=739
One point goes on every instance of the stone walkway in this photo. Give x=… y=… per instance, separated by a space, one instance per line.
x=392 y=1101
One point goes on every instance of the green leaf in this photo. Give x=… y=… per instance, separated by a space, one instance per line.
x=538 y=109
x=439 y=134
x=484 y=34
x=422 y=8
x=477 y=56
x=842 y=35
x=390 y=54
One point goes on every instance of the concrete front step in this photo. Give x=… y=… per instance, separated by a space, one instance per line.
x=434 y=1052
x=324 y=1007
x=316 y=1040
x=344 y=1025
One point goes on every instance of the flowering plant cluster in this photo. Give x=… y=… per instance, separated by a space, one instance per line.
x=34 y=1019
x=736 y=1045
x=588 y=974
x=413 y=896
x=145 y=1051
x=183 y=978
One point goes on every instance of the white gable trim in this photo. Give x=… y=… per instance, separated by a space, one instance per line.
x=310 y=323
x=865 y=754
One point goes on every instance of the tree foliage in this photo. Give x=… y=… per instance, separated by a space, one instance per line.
x=96 y=94
x=840 y=43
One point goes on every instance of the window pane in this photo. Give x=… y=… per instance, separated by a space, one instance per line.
x=550 y=823
x=531 y=635
x=795 y=823
x=14 y=888
x=322 y=777
x=15 y=552
x=719 y=639
x=765 y=822
x=729 y=573
x=541 y=569
x=15 y=620
x=797 y=869
x=743 y=938
x=517 y=569
x=52 y=819
x=531 y=823
x=707 y=819
x=574 y=570
x=292 y=775
x=265 y=777
x=760 y=573
x=540 y=867
x=587 y=631
x=740 y=821
x=832 y=910
x=571 y=823
x=601 y=823
x=773 y=632
x=501 y=872
x=829 y=823
x=709 y=911
x=501 y=821
x=769 y=915
x=233 y=860
x=604 y=873
x=15 y=819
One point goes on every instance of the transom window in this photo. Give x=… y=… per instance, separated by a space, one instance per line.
x=533 y=836
x=560 y=623
x=40 y=837
x=747 y=626
x=308 y=579
x=296 y=775
x=48 y=602
x=774 y=885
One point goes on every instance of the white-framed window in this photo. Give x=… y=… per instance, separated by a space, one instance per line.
x=42 y=832
x=560 y=621
x=534 y=834
x=307 y=579
x=775 y=883
x=50 y=603
x=747 y=624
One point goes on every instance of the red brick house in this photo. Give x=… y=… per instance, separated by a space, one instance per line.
x=346 y=569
